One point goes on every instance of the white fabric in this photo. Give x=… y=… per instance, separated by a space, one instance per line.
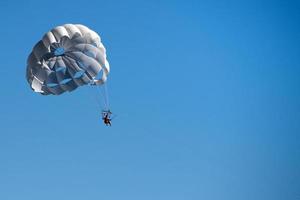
x=55 y=60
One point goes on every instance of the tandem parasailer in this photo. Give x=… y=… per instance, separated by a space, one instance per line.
x=67 y=57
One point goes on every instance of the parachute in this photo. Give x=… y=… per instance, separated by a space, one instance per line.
x=67 y=57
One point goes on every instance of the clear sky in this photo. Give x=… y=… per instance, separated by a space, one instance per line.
x=206 y=92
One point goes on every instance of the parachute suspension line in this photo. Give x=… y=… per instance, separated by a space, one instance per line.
x=99 y=90
x=106 y=95
x=103 y=92
x=95 y=97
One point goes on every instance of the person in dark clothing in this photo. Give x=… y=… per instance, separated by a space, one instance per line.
x=106 y=117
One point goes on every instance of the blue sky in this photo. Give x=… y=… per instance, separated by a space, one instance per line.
x=206 y=92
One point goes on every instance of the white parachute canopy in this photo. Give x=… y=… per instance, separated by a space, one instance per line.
x=66 y=57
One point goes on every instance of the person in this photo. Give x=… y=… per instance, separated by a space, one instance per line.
x=106 y=116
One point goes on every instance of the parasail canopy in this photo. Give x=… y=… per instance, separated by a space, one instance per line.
x=67 y=57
